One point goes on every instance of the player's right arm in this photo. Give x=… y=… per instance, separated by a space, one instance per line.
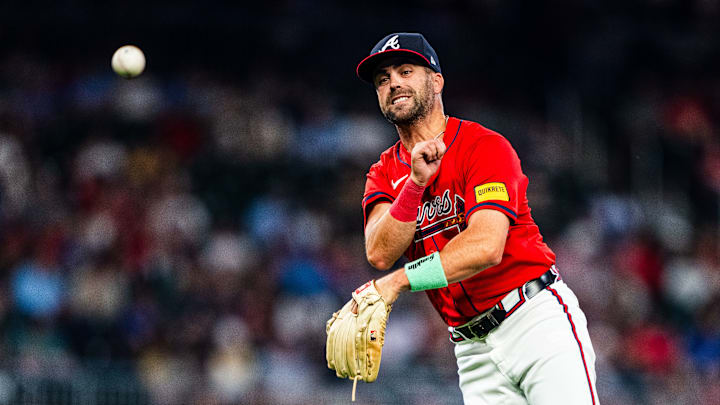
x=386 y=238
x=387 y=233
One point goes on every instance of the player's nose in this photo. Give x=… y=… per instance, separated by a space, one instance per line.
x=394 y=80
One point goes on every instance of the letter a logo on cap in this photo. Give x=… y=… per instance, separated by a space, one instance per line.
x=392 y=43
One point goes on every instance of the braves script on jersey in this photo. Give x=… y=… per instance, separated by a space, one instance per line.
x=480 y=170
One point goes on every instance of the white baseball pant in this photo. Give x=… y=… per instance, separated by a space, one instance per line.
x=539 y=355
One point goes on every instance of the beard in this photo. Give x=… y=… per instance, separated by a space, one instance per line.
x=422 y=104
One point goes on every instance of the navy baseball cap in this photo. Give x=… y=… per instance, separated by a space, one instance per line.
x=408 y=44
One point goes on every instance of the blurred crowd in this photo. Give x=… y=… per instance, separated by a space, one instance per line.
x=183 y=237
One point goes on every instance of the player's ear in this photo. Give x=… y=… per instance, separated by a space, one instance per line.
x=438 y=82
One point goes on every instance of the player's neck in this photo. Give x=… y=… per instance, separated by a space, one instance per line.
x=432 y=126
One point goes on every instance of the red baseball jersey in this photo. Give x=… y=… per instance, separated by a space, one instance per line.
x=480 y=170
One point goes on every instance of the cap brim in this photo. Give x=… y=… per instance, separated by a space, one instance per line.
x=366 y=67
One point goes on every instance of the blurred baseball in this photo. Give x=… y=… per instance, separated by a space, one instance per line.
x=128 y=61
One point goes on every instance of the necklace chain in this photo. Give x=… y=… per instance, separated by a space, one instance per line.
x=443 y=131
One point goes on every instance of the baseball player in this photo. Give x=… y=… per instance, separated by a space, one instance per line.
x=451 y=196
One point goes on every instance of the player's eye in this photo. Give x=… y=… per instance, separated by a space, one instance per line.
x=382 y=80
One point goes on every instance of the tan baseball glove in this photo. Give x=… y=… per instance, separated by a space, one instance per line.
x=355 y=341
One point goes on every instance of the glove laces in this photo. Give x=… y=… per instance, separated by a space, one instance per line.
x=354 y=387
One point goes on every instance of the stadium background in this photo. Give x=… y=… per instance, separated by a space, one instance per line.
x=182 y=237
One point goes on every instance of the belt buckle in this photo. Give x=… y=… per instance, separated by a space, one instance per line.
x=480 y=324
x=463 y=335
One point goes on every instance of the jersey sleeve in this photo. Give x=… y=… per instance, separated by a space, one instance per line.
x=377 y=189
x=494 y=178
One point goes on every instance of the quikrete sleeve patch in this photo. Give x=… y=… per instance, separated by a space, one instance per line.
x=491 y=191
